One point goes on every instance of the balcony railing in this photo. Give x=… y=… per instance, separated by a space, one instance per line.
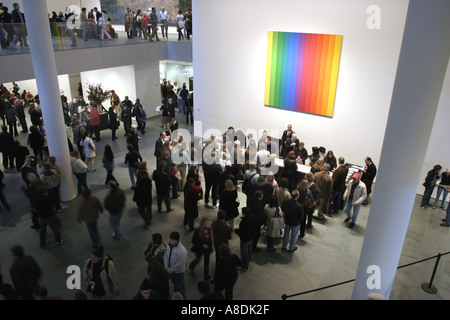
x=62 y=37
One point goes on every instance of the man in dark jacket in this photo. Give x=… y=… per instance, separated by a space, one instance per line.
x=47 y=217
x=256 y=208
x=6 y=147
x=246 y=233
x=339 y=177
x=370 y=171
x=212 y=174
x=18 y=20
x=293 y=215
x=25 y=273
x=114 y=203
x=162 y=183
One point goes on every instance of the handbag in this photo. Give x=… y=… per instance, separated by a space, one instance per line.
x=277 y=221
x=180 y=24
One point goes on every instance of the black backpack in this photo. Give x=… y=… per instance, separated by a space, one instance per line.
x=246 y=185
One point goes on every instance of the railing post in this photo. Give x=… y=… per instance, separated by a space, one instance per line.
x=428 y=287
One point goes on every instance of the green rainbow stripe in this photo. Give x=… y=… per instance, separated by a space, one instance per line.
x=302 y=71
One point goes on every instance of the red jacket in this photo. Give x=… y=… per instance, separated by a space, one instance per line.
x=94 y=118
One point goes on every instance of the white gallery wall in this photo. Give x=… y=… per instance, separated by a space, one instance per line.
x=31 y=85
x=230 y=66
x=120 y=79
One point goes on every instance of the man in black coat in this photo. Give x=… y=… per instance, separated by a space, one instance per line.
x=338 y=182
x=212 y=174
x=6 y=147
x=286 y=134
x=163 y=184
x=25 y=273
x=18 y=19
x=370 y=171
x=256 y=208
x=293 y=215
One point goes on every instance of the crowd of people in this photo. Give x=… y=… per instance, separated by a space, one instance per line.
x=94 y=24
x=281 y=200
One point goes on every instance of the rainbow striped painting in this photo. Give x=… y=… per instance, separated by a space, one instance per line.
x=302 y=71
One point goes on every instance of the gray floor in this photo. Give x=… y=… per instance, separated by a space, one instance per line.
x=328 y=254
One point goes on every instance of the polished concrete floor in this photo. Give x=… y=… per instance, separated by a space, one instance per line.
x=328 y=254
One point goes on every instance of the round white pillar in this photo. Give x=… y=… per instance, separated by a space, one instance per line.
x=420 y=75
x=41 y=47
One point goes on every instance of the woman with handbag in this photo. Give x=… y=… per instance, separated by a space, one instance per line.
x=275 y=223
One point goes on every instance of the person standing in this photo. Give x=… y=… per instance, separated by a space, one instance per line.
x=94 y=121
x=354 y=195
x=84 y=23
x=229 y=203
x=339 y=177
x=154 y=24
x=446 y=221
x=191 y=199
x=7 y=147
x=25 y=273
x=163 y=184
x=180 y=25
x=163 y=19
x=79 y=169
x=370 y=171
x=430 y=182
x=221 y=231
x=211 y=172
x=114 y=204
x=11 y=119
x=52 y=182
x=20 y=111
x=143 y=194
x=226 y=275
x=175 y=259
x=202 y=245
x=272 y=210
x=88 y=211
x=44 y=209
x=245 y=232
x=126 y=115
x=324 y=182
x=108 y=164
x=113 y=123
x=101 y=275
x=293 y=215
x=89 y=150
x=132 y=158
x=442 y=188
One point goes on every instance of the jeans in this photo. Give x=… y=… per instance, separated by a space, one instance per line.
x=427 y=196
x=165 y=28
x=337 y=198
x=72 y=36
x=206 y=255
x=439 y=191
x=246 y=253
x=293 y=232
x=93 y=233
x=53 y=224
x=348 y=208
x=447 y=215
x=84 y=29
x=181 y=106
x=19 y=35
x=114 y=220
x=132 y=172
x=178 y=283
x=81 y=181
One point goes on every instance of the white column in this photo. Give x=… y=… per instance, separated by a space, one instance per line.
x=421 y=70
x=41 y=47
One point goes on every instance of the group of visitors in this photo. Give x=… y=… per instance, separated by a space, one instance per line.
x=175 y=97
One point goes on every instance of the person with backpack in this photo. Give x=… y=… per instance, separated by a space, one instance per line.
x=101 y=275
x=52 y=182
